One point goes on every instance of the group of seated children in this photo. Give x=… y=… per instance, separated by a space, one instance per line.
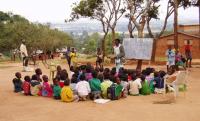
x=86 y=82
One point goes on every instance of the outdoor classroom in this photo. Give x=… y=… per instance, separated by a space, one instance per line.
x=100 y=60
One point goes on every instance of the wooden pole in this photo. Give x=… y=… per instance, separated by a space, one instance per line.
x=176 y=24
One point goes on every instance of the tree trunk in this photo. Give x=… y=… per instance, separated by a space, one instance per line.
x=103 y=44
x=130 y=29
x=113 y=35
x=176 y=24
x=139 y=63
x=153 y=57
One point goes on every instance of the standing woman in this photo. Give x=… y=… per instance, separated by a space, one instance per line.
x=24 y=55
x=99 y=61
x=188 y=54
x=119 y=54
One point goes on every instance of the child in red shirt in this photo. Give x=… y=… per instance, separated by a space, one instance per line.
x=26 y=85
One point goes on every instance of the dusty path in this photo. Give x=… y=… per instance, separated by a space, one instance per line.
x=17 y=107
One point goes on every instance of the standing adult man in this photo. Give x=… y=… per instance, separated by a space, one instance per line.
x=119 y=54
x=188 y=54
x=24 y=55
x=67 y=55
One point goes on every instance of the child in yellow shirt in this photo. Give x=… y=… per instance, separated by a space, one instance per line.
x=67 y=93
x=73 y=57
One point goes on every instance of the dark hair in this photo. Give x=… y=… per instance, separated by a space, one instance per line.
x=82 y=77
x=34 y=77
x=67 y=82
x=106 y=70
x=117 y=40
x=94 y=74
x=100 y=77
x=71 y=68
x=113 y=71
x=27 y=78
x=88 y=69
x=55 y=81
x=38 y=71
x=74 y=78
x=123 y=77
x=45 y=78
x=18 y=74
x=156 y=74
x=63 y=74
x=142 y=77
x=58 y=68
x=107 y=76
x=162 y=73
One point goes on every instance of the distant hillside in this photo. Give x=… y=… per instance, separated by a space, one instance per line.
x=91 y=26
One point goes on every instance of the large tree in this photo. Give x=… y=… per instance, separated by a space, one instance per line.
x=107 y=12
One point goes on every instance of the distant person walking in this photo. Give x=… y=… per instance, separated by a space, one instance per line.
x=188 y=54
x=170 y=53
x=119 y=54
x=67 y=55
x=24 y=55
x=99 y=61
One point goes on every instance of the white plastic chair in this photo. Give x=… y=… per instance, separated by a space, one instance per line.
x=181 y=79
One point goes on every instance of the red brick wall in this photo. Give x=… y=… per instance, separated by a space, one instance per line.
x=162 y=45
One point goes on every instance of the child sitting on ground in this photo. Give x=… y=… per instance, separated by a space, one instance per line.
x=83 y=88
x=124 y=83
x=88 y=74
x=159 y=81
x=67 y=93
x=145 y=90
x=38 y=73
x=135 y=86
x=56 y=89
x=106 y=84
x=26 y=85
x=35 y=86
x=73 y=83
x=95 y=85
x=17 y=82
x=46 y=88
x=115 y=91
x=63 y=77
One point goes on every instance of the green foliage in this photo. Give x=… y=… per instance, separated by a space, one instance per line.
x=14 y=28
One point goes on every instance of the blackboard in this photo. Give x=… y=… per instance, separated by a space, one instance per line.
x=138 y=48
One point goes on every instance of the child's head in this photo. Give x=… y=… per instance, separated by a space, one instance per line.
x=18 y=75
x=88 y=69
x=58 y=68
x=45 y=78
x=72 y=68
x=74 y=78
x=162 y=74
x=100 y=77
x=38 y=71
x=66 y=82
x=123 y=77
x=55 y=81
x=64 y=74
x=113 y=71
x=107 y=76
x=27 y=78
x=73 y=50
x=117 y=80
x=82 y=77
x=34 y=77
x=94 y=74
x=142 y=77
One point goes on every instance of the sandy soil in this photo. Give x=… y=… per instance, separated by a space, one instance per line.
x=17 y=107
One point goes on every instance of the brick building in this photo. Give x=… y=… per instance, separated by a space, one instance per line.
x=186 y=32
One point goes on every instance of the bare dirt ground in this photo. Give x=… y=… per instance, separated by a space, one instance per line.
x=17 y=107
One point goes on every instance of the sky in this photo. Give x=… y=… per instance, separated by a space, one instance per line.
x=56 y=11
